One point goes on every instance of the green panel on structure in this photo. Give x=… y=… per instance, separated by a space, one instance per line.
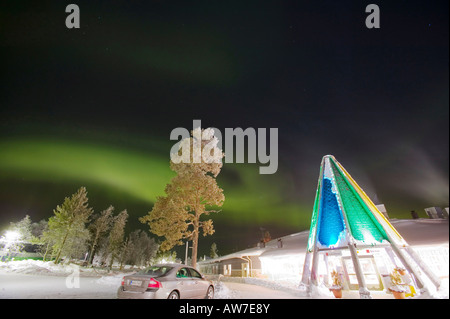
x=363 y=225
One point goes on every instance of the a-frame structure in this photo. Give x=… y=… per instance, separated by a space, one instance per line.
x=344 y=217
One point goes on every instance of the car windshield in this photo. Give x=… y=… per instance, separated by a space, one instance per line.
x=155 y=271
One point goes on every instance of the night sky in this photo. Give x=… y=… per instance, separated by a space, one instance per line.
x=95 y=106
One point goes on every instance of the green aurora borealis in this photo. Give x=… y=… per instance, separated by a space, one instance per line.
x=95 y=106
x=141 y=176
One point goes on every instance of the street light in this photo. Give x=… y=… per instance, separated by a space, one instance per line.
x=11 y=236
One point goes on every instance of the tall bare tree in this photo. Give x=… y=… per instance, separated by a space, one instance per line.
x=192 y=193
x=98 y=228
x=116 y=236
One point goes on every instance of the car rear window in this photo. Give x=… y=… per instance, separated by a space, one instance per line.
x=155 y=271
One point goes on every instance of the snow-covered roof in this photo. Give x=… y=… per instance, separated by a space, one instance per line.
x=423 y=231
x=414 y=231
x=239 y=254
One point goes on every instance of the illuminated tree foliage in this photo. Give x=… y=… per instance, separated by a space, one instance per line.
x=116 y=236
x=98 y=228
x=67 y=230
x=21 y=233
x=138 y=249
x=213 y=253
x=192 y=193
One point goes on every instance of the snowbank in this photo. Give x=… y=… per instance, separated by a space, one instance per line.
x=223 y=292
x=112 y=280
x=39 y=267
x=36 y=267
x=287 y=287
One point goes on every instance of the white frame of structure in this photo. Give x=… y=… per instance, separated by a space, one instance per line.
x=399 y=247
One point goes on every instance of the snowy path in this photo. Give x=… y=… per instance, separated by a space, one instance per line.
x=234 y=290
x=52 y=287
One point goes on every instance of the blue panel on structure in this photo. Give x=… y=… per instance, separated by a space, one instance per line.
x=331 y=221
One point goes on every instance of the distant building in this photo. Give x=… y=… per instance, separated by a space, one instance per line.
x=245 y=263
x=429 y=238
x=434 y=212
x=382 y=210
x=446 y=212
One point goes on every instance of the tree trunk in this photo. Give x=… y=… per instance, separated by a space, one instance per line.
x=46 y=252
x=91 y=254
x=64 y=241
x=195 y=244
x=111 y=262
x=60 y=249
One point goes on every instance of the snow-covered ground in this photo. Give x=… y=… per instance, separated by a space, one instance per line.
x=34 y=279
x=31 y=279
x=38 y=267
x=235 y=290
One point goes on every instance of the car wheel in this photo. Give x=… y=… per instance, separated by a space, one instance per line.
x=174 y=295
x=210 y=293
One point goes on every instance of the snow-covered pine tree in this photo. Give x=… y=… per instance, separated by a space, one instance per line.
x=67 y=231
